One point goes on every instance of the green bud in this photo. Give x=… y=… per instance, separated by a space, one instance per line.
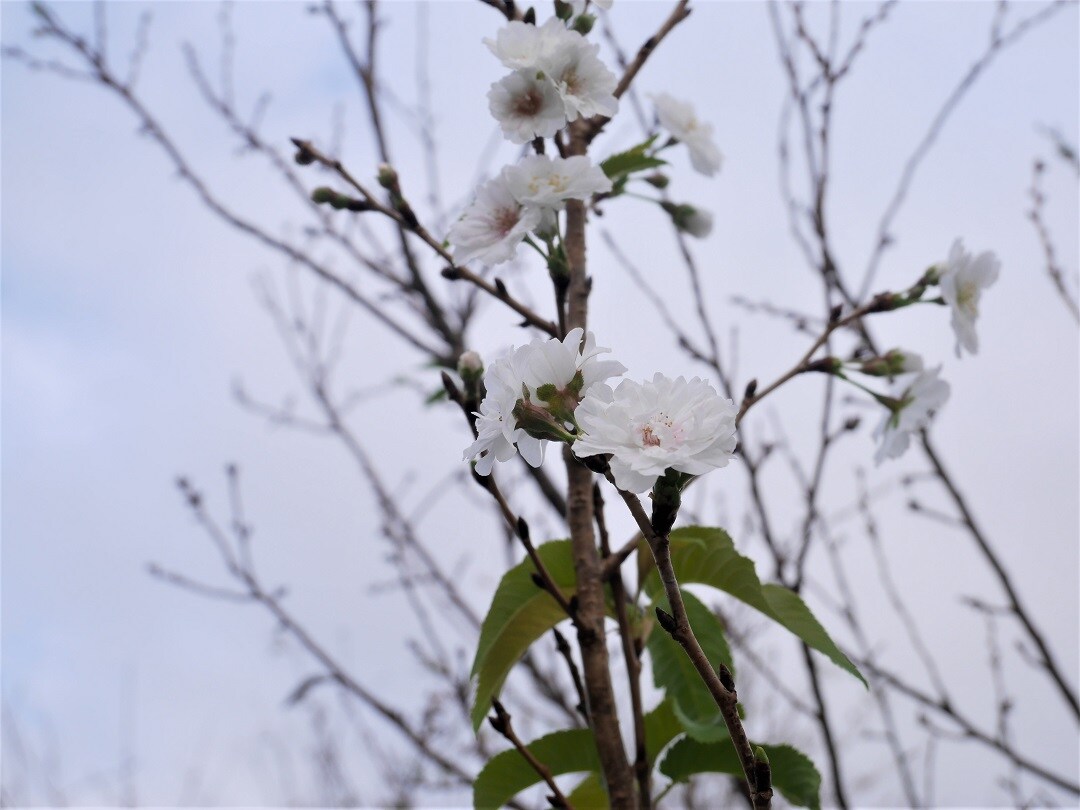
x=470 y=367
x=584 y=23
x=563 y=10
x=760 y=755
x=890 y=364
x=323 y=195
x=547 y=392
x=657 y=180
x=387 y=177
x=539 y=423
x=689 y=219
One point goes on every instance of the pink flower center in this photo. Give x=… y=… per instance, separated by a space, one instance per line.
x=648 y=438
x=661 y=431
x=505 y=219
x=529 y=103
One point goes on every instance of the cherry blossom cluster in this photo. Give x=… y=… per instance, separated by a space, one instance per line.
x=556 y=390
x=918 y=393
x=523 y=198
x=557 y=77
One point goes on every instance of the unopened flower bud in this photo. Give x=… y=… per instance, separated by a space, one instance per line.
x=563 y=10
x=387 y=177
x=892 y=363
x=689 y=219
x=657 y=180
x=304 y=155
x=323 y=195
x=584 y=23
x=470 y=366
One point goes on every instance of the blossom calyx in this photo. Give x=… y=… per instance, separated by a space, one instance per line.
x=667 y=498
x=689 y=219
x=826 y=365
x=539 y=422
x=891 y=364
x=584 y=23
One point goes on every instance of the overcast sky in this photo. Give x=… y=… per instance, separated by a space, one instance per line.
x=129 y=313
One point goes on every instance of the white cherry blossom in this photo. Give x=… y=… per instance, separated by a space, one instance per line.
x=918 y=398
x=585 y=84
x=569 y=366
x=493 y=225
x=548 y=182
x=527 y=105
x=654 y=426
x=520 y=46
x=962 y=282
x=678 y=118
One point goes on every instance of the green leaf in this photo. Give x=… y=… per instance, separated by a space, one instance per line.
x=438 y=395
x=673 y=672
x=589 y=794
x=793 y=774
x=708 y=556
x=520 y=613
x=622 y=164
x=661 y=727
x=507 y=774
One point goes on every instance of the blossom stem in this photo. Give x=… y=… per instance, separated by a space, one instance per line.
x=678 y=626
x=501 y=723
x=631 y=646
x=455 y=272
x=529 y=241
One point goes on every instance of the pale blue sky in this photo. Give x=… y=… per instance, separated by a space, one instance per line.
x=128 y=313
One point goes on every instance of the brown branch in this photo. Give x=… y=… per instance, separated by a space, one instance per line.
x=998 y=43
x=678 y=627
x=501 y=723
x=563 y=646
x=1049 y=665
x=51 y=26
x=678 y=14
x=453 y=272
x=1053 y=268
x=270 y=601
x=969 y=729
x=364 y=70
x=603 y=714
x=631 y=647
